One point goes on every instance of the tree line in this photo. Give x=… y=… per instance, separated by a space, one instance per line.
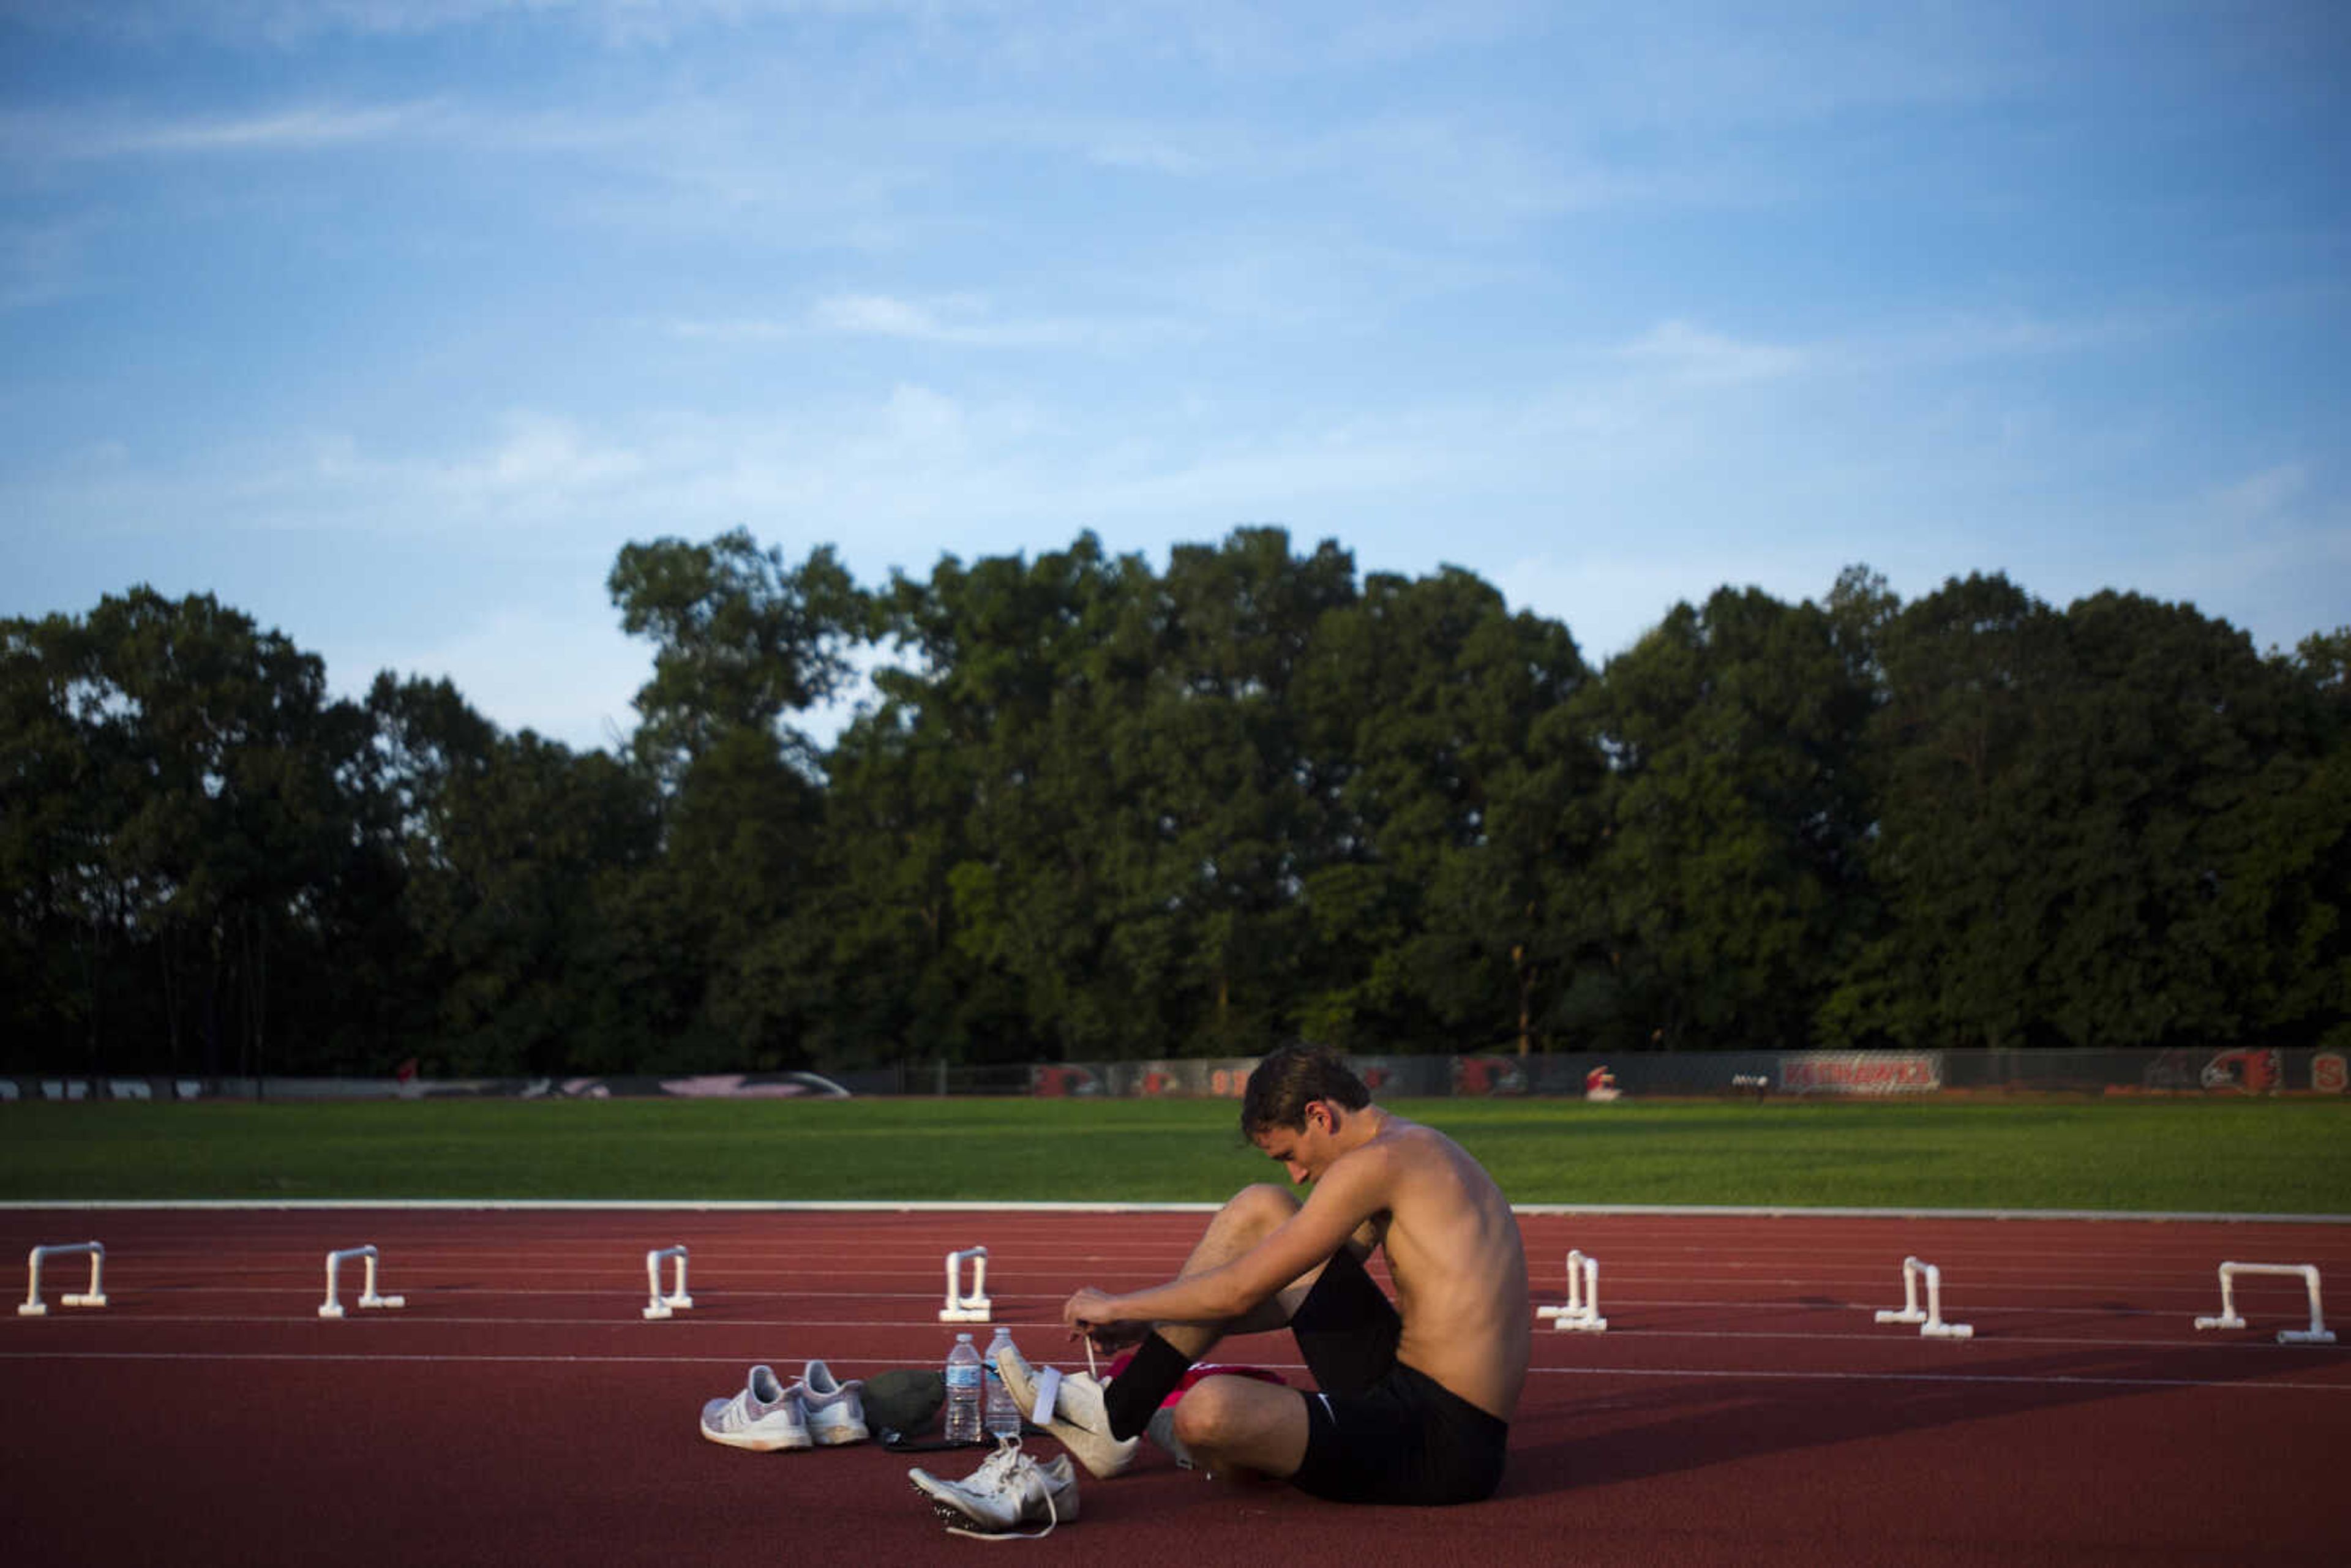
x=1090 y=810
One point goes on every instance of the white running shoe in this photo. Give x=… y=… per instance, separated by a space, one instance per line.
x=1009 y=1490
x=1080 y=1418
x=765 y=1416
x=835 y=1413
x=1162 y=1431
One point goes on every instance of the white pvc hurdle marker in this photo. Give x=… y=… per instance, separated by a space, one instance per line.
x=1583 y=1310
x=658 y=1305
x=962 y=1307
x=331 y=1308
x=1930 y=1322
x=2316 y=1333
x=33 y=1307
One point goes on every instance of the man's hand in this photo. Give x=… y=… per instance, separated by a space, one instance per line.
x=1095 y=1316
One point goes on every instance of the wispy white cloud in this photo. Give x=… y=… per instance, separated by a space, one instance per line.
x=1686 y=352
x=290 y=23
x=1694 y=356
x=1152 y=150
x=529 y=470
x=41 y=138
x=292 y=129
x=1480 y=170
x=1483 y=173
x=1036 y=36
x=2261 y=496
x=961 y=320
x=1961 y=337
x=957 y=321
x=545 y=457
x=878 y=315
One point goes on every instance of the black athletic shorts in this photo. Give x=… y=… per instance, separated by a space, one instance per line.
x=1379 y=1431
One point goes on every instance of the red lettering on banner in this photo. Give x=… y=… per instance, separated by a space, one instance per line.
x=1854 y=1073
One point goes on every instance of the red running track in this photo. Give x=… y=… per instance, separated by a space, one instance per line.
x=1742 y=1408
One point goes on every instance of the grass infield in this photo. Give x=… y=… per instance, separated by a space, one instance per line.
x=2239 y=1157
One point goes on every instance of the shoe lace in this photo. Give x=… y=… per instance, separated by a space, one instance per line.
x=747 y=1409
x=1001 y=1471
x=996 y=1472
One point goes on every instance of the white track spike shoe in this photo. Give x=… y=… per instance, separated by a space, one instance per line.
x=835 y=1413
x=765 y=1416
x=1008 y=1491
x=1162 y=1432
x=1078 y=1418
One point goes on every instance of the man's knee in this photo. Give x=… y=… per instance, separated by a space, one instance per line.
x=1217 y=1409
x=1243 y=1425
x=1259 y=1208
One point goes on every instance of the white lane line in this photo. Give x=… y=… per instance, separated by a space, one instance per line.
x=986 y=1206
x=1720 y=1375
x=160 y=1297
x=413 y=1323
x=1996 y=1378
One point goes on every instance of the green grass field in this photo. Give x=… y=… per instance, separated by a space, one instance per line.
x=2233 y=1156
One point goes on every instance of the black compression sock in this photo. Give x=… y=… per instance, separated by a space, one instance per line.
x=1135 y=1394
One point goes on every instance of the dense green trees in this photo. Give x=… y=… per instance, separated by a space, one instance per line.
x=176 y=841
x=1731 y=868
x=2112 y=826
x=1091 y=810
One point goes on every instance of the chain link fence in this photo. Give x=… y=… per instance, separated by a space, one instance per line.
x=1754 y=1073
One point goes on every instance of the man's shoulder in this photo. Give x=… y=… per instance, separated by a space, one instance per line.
x=1410 y=1150
x=1398 y=1145
x=1410 y=1140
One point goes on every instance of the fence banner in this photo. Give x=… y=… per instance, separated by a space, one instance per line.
x=1861 y=1072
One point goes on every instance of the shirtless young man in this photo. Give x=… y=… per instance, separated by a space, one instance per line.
x=1416 y=1397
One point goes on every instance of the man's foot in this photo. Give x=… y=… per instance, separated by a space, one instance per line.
x=1078 y=1418
x=1009 y=1490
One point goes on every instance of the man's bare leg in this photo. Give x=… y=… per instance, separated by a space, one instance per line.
x=1228 y=1423
x=1247 y=1218
x=1165 y=1351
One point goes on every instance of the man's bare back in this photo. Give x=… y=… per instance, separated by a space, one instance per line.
x=1456 y=1263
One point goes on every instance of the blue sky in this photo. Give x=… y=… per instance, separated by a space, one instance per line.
x=389 y=321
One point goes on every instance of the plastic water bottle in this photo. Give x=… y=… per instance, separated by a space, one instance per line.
x=963 y=1392
x=1003 y=1416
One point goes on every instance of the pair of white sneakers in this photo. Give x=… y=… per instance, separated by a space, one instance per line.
x=817 y=1411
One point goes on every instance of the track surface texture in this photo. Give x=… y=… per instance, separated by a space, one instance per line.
x=1742 y=1407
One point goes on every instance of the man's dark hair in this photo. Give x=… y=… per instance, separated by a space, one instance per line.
x=1285 y=1082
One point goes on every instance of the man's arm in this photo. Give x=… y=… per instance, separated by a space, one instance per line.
x=1352 y=1191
